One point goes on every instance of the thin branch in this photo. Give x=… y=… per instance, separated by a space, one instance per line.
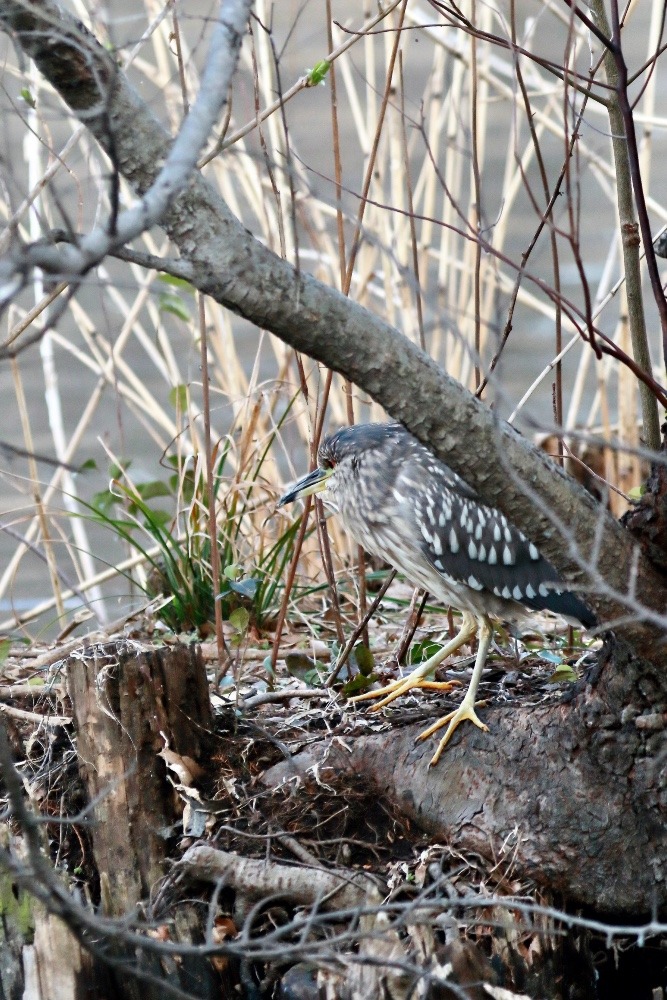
x=226 y=37
x=626 y=160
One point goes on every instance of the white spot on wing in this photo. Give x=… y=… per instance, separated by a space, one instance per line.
x=507 y=593
x=493 y=556
x=453 y=541
x=507 y=556
x=474 y=583
x=533 y=552
x=544 y=591
x=496 y=532
x=530 y=593
x=472 y=549
x=481 y=553
x=516 y=593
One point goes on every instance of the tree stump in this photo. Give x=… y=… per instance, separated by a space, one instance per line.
x=128 y=704
x=131 y=705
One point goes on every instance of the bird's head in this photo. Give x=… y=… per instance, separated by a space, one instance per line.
x=338 y=461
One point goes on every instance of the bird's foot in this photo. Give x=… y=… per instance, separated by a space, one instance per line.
x=394 y=690
x=465 y=711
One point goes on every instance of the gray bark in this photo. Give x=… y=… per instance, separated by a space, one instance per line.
x=574 y=794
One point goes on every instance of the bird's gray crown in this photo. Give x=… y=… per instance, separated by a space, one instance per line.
x=352 y=441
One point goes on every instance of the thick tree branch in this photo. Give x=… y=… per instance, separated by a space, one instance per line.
x=98 y=75
x=246 y=277
x=570 y=790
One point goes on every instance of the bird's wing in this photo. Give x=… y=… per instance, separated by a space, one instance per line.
x=476 y=545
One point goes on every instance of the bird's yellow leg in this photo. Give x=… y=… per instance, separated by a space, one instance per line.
x=466 y=710
x=438 y=685
x=416 y=679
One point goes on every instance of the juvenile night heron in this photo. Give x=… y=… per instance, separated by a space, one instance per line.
x=404 y=505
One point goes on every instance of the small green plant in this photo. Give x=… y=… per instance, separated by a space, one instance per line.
x=174 y=566
x=174 y=540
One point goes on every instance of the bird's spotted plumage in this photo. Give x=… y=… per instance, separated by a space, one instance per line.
x=403 y=504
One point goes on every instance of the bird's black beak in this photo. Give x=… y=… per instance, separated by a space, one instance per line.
x=313 y=482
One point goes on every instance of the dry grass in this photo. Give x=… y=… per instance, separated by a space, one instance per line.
x=419 y=194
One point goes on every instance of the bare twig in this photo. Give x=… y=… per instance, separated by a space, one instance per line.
x=226 y=40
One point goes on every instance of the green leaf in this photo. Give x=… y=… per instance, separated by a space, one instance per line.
x=356 y=684
x=239 y=619
x=299 y=665
x=364 y=658
x=118 y=471
x=233 y=571
x=318 y=72
x=28 y=98
x=5 y=646
x=563 y=672
x=637 y=492
x=551 y=657
x=178 y=397
x=159 y=519
x=154 y=488
x=423 y=650
x=246 y=588
x=170 y=303
x=90 y=465
x=104 y=501
x=171 y=279
x=268 y=666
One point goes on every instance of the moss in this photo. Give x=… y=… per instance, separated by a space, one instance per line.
x=16 y=908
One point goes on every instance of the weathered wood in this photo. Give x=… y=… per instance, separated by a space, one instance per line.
x=576 y=792
x=254 y=879
x=17 y=923
x=127 y=702
x=41 y=959
x=58 y=967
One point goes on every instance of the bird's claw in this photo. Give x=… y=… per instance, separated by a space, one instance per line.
x=465 y=711
x=400 y=687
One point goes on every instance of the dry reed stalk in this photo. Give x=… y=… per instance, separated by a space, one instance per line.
x=38 y=500
x=400 y=173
